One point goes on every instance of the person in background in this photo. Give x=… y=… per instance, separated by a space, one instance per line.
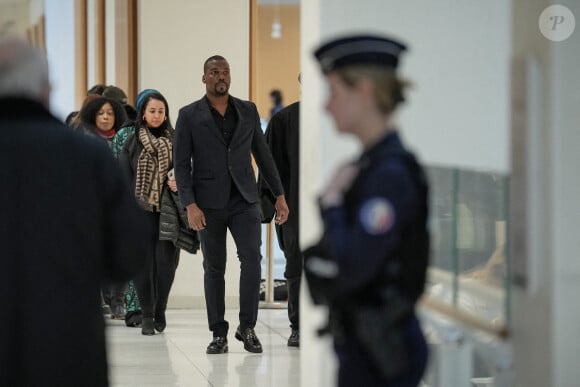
x=276 y=99
x=129 y=127
x=68 y=222
x=214 y=141
x=282 y=136
x=93 y=119
x=374 y=212
x=120 y=96
x=133 y=314
x=95 y=90
x=101 y=117
x=147 y=158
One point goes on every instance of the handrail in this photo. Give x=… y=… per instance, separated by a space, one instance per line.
x=465 y=318
x=486 y=293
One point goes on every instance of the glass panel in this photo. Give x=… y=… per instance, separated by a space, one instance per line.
x=468 y=224
x=469 y=269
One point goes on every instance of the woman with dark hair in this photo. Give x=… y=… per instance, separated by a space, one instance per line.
x=102 y=117
x=133 y=314
x=147 y=158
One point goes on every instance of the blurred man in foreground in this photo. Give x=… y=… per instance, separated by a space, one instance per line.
x=68 y=222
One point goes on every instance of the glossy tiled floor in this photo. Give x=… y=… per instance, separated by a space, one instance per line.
x=177 y=356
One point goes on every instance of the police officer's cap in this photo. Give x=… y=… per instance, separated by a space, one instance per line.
x=359 y=49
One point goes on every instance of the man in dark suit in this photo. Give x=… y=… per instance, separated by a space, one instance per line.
x=214 y=140
x=68 y=222
x=282 y=136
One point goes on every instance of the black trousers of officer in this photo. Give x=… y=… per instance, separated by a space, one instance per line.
x=243 y=221
x=154 y=282
x=356 y=368
x=288 y=239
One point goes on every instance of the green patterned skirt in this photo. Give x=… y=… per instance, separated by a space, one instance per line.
x=133 y=315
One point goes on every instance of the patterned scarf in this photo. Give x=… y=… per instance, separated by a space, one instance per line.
x=152 y=166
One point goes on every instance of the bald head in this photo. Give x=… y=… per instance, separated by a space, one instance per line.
x=23 y=71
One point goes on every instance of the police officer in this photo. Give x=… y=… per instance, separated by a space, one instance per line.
x=374 y=212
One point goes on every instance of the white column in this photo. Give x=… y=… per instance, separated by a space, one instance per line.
x=545 y=311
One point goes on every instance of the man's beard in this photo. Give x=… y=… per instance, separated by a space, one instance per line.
x=219 y=92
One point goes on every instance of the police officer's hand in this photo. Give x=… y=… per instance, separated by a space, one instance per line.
x=195 y=217
x=333 y=194
x=281 y=210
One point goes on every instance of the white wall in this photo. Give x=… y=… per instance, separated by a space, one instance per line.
x=566 y=207
x=545 y=312
x=60 y=48
x=456 y=115
x=110 y=28
x=174 y=42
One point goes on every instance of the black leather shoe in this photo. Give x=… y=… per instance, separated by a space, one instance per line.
x=251 y=342
x=294 y=339
x=147 y=326
x=160 y=323
x=219 y=344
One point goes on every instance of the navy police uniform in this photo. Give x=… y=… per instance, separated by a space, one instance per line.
x=369 y=237
x=378 y=240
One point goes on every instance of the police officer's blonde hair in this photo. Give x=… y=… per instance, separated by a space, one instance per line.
x=389 y=89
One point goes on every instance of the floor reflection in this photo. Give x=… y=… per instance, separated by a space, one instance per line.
x=177 y=357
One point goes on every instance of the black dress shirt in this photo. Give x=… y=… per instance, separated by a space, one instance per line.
x=226 y=123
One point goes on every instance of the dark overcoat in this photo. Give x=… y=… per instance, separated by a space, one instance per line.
x=67 y=222
x=283 y=139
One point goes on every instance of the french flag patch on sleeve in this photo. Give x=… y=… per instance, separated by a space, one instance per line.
x=377 y=216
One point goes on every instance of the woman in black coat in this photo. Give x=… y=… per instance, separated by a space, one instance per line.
x=146 y=159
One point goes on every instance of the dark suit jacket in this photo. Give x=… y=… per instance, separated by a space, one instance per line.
x=205 y=166
x=67 y=223
x=283 y=137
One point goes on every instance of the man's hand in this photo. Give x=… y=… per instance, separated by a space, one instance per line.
x=281 y=210
x=172 y=185
x=195 y=217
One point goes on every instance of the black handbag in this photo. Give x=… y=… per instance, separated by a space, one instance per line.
x=187 y=240
x=267 y=209
x=173 y=223
x=267 y=201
